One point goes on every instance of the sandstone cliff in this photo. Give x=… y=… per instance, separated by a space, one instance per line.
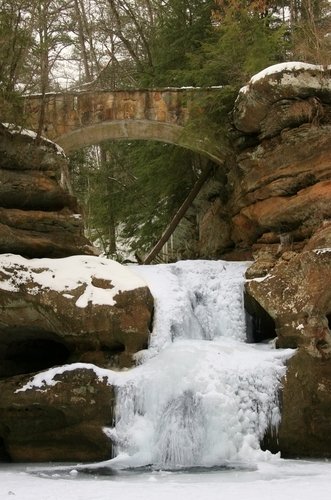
x=277 y=189
x=274 y=206
x=38 y=217
x=280 y=209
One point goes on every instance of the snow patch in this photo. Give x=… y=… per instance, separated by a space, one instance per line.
x=16 y=129
x=321 y=251
x=271 y=479
x=286 y=67
x=43 y=380
x=79 y=273
x=244 y=89
x=260 y=279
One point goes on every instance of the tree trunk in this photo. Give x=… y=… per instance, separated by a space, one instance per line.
x=179 y=215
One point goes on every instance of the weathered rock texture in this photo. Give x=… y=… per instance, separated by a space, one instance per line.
x=62 y=420
x=38 y=218
x=278 y=188
x=57 y=312
x=277 y=209
x=67 y=310
x=296 y=294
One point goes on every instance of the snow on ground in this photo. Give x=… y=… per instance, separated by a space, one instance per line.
x=282 y=480
x=68 y=274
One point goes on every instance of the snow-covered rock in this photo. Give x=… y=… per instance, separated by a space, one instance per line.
x=76 y=308
x=62 y=420
x=296 y=295
x=294 y=88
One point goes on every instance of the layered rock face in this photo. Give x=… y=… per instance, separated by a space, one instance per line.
x=278 y=187
x=80 y=308
x=38 y=217
x=296 y=296
x=280 y=206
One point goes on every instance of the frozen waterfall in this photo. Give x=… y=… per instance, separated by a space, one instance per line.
x=200 y=395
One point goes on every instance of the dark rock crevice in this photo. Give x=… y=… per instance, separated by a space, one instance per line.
x=27 y=351
x=4 y=455
x=328 y=317
x=260 y=325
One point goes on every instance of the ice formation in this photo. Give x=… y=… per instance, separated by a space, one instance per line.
x=201 y=396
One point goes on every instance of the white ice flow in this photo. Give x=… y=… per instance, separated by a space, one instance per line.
x=201 y=396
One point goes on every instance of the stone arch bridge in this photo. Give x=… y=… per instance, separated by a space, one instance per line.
x=76 y=119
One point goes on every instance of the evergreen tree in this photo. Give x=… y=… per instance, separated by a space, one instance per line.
x=188 y=43
x=16 y=25
x=133 y=193
x=180 y=30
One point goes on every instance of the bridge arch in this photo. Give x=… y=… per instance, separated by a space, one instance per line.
x=134 y=130
x=78 y=119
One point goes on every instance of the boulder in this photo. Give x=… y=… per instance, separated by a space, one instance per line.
x=305 y=428
x=58 y=416
x=296 y=295
x=282 y=84
x=81 y=308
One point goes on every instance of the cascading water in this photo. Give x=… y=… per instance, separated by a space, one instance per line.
x=200 y=395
